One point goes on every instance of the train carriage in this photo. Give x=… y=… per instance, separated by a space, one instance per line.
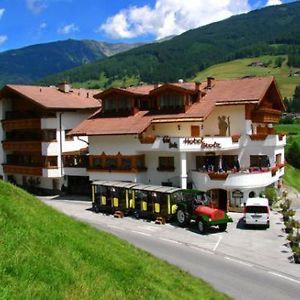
x=112 y=196
x=159 y=203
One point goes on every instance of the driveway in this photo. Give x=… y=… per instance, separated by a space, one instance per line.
x=264 y=248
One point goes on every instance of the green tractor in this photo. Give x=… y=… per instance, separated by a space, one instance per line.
x=192 y=209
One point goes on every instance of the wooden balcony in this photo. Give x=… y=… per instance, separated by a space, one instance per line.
x=22 y=146
x=23 y=170
x=266 y=115
x=9 y=125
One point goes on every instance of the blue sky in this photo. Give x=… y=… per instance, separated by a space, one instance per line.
x=27 y=22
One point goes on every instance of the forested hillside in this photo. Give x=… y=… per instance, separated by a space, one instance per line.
x=273 y=30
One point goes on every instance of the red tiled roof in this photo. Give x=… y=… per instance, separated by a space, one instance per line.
x=104 y=126
x=239 y=91
x=52 y=98
x=246 y=89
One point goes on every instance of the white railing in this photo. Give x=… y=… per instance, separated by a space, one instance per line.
x=190 y=144
x=238 y=180
x=211 y=143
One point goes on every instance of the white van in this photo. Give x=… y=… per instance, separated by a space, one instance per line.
x=257 y=212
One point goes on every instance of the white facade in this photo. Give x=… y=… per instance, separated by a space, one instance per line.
x=52 y=177
x=174 y=140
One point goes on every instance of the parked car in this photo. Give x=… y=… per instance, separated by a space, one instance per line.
x=257 y=212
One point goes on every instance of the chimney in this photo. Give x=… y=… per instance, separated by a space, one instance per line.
x=64 y=87
x=210 y=81
x=197 y=85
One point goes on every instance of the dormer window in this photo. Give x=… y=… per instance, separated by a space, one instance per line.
x=117 y=104
x=171 y=101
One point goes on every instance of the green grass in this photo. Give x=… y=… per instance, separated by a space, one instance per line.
x=239 y=68
x=292 y=177
x=293 y=131
x=291 y=174
x=47 y=255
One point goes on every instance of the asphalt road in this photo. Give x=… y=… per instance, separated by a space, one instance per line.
x=236 y=277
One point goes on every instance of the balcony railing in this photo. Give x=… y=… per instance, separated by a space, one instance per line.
x=9 y=125
x=23 y=146
x=245 y=178
x=23 y=170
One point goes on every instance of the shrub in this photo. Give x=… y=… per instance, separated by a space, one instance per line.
x=271 y=194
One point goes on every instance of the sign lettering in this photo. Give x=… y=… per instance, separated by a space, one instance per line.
x=200 y=141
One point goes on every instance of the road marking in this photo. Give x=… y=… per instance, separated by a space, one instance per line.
x=115 y=227
x=150 y=228
x=238 y=261
x=142 y=233
x=284 y=277
x=218 y=242
x=202 y=250
x=167 y=240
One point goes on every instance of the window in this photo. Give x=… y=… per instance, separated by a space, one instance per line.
x=171 y=100
x=117 y=103
x=252 y=194
x=259 y=161
x=51 y=161
x=49 y=135
x=97 y=163
x=126 y=164
x=68 y=137
x=230 y=162
x=111 y=163
x=140 y=162
x=166 y=164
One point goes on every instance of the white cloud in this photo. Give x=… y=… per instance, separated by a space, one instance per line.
x=68 y=29
x=43 y=25
x=3 y=39
x=2 y=11
x=169 y=17
x=273 y=2
x=36 y=6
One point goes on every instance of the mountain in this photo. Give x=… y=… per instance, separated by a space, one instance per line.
x=272 y=30
x=31 y=63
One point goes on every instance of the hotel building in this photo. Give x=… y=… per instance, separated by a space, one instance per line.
x=36 y=151
x=216 y=136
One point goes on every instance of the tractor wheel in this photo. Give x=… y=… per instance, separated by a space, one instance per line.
x=222 y=227
x=137 y=214
x=183 y=217
x=96 y=209
x=202 y=226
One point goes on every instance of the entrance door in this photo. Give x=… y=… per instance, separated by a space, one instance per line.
x=195 y=131
x=219 y=199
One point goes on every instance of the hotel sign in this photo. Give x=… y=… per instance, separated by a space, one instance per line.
x=200 y=141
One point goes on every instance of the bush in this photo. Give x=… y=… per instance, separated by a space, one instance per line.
x=293 y=154
x=271 y=194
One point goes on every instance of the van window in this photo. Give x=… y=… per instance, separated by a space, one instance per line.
x=257 y=209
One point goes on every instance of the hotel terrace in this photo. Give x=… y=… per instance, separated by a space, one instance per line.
x=216 y=136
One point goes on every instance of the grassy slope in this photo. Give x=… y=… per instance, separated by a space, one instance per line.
x=292 y=175
x=45 y=254
x=239 y=68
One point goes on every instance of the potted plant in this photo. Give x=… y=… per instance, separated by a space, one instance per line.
x=286 y=204
x=289 y=226
x=285 y=216
x=294 y=239
x=296 y=251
